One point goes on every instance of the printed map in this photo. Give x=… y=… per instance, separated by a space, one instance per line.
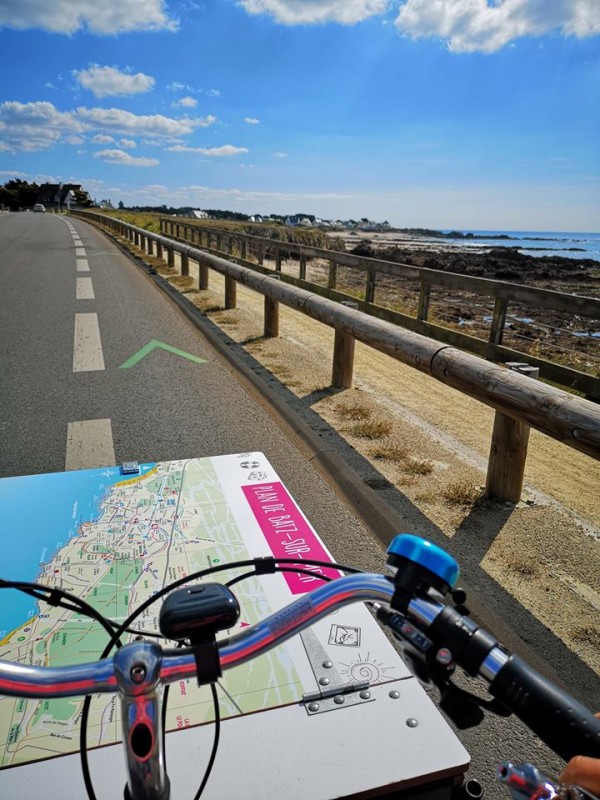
x=114 y=540
x=167 y=523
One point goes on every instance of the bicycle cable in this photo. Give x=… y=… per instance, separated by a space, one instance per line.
x=261 y=566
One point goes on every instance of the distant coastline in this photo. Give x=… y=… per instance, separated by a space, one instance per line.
x=567 y=245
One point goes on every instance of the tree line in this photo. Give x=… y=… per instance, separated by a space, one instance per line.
x=17 y=194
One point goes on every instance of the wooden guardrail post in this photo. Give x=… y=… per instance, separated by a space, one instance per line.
x=271 y=329
x=343 y=355
x=424 y=299
x=332 y=278
x=244 y=250
x=185 y=264
x=370 y=287
x=202 y=275
x=230 y=292
x=302 y=271
x=508 y=451
x=498 y=320
x=278 y=261
x=159 y=250
x=171 y=257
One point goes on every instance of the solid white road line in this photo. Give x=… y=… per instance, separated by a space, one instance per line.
x=89 y=445
x=87 y=347
x=80 y=252
x=82 y=265
x=84 y=289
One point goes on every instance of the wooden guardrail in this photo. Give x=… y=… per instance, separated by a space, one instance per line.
x=516 y=397
x=254 y=250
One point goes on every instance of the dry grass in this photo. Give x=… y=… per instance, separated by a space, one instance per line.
x=358 y=411
x=183 y=283
x=523 y=569
x=281 y=370
x=389 y=452
x=416 y=467
x=372 y=428
x=461 y=493
x=227 y=318
x=587 y=634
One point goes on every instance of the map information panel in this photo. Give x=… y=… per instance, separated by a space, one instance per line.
x=115 y=540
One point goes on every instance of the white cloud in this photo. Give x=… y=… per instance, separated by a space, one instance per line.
x=224 y=150
x=179 y=87
x=212 y=92
x=74 y=140
x=9 y=173
x=35 y=126
x=476 y=25
x=129 y=143
x=280 y=155
x=187 y=102
x=69 y=16
x=207 y=195
x=39 y=126
x=252 y=120
x=116 y=119
x=107 y=81
x=292 y=12
x=121 y=157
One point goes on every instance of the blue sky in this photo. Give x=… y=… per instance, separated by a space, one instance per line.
x=471 y=114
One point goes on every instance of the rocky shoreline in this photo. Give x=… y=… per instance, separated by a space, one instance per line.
x=578 y=276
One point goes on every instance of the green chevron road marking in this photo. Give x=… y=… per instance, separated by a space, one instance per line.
x=131 y=362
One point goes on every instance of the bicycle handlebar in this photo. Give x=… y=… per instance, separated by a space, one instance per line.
x=563 y=723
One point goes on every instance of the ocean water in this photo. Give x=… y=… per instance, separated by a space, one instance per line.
x=567 y=245
x=39 y=514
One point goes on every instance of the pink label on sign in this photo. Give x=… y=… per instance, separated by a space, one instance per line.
x=288 y=534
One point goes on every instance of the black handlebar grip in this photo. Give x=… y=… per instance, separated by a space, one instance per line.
x=563 y=723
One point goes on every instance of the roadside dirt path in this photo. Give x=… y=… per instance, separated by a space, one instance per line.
x=431 y=443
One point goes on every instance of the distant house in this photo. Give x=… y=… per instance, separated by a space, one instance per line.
x=198 y=214
x=60 y=195
x=256 y=218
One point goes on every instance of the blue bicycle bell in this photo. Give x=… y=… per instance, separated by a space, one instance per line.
x=420 y=564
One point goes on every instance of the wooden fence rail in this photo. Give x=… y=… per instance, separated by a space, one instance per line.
x=251 y=250
x=556 y=413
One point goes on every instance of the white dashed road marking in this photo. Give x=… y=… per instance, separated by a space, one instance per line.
x=90 y=444
x=83 y=265
x=85 y=289
x=87 y=347
x=80 y=252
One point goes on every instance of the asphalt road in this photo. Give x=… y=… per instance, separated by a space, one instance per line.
x=74 y=310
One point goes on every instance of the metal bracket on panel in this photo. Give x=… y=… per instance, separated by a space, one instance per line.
x=332 y=693
x=330 y=698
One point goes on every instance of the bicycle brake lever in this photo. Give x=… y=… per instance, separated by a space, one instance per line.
x=526 y=782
